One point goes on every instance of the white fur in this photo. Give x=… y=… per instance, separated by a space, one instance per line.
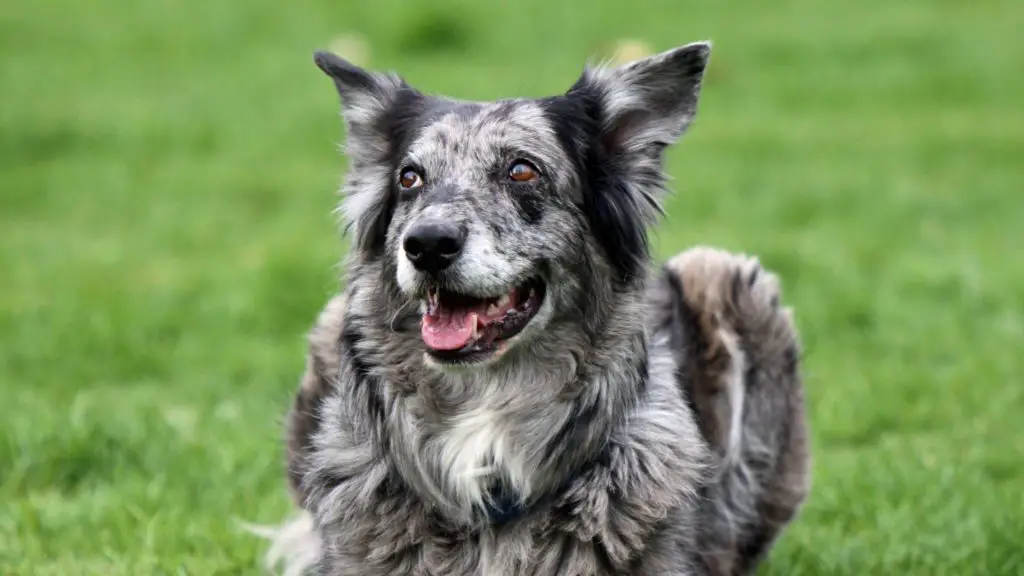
x=736 y=393
x=477 y=447
x=406 y=275
x=357 y=201
x=294 y=545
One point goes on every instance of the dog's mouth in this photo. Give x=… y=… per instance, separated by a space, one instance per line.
x=461 y=328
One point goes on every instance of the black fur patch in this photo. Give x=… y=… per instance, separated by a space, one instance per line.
x=683 y=327
x=530 y=205
x=503 y=505
x=572 y=430
x=610 y=204
x=754 y=548
x=363 y=377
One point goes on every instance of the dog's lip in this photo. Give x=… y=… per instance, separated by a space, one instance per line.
x=424 y=292
x=434 y=295
x=495 y=305
x=425 y=288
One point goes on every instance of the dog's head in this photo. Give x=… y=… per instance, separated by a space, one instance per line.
x=480 y=210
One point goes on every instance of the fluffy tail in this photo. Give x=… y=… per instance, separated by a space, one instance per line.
x=739 y=353
x=727 y=307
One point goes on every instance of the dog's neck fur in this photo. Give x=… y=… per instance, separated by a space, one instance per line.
x=623 y=417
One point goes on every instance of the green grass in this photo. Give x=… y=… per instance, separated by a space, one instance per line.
x=168 y=171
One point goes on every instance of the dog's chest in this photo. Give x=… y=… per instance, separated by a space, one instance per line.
x=478 y=449
x=399 y=535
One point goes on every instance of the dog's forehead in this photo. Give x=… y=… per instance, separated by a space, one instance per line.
x=484 y=132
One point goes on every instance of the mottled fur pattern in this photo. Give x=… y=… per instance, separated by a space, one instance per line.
x=645 y=421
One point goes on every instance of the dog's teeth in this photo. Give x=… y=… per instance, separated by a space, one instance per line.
x=498 y=305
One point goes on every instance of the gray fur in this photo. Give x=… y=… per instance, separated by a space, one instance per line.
x=646 y=421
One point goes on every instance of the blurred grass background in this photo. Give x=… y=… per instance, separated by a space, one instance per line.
x=168 y=171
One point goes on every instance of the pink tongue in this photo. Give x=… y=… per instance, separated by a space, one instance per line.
x=448 y=329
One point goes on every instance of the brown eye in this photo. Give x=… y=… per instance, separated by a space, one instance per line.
x=522 y=171
x=410 y=179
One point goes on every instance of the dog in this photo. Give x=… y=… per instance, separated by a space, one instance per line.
x=508 y=384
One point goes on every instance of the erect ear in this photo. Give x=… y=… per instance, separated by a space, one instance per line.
x=632 y=114
x=366 y=96
x=649 y=102
x=370 y=105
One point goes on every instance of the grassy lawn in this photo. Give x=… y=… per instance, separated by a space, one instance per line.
x=168 y=171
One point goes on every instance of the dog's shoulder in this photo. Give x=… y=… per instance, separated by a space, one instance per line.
x=323 y=337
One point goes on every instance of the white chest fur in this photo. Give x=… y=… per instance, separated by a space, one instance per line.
x=477 y=447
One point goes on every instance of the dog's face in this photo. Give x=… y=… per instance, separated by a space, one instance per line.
x=492 y=215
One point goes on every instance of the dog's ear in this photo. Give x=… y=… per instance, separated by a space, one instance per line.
x=366 y=96
x=649 y=102
x=373 y=106
x=630 y=115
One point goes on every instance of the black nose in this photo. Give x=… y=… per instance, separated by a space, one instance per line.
x=433 y=246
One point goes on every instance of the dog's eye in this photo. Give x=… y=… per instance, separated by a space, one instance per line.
x=522 y=171
x=410 y=179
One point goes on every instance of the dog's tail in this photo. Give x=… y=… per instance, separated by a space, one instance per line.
x=738 y=352
x=732 y=327
x=294 y=545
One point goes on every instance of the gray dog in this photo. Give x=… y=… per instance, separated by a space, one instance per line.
x=507 y=384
